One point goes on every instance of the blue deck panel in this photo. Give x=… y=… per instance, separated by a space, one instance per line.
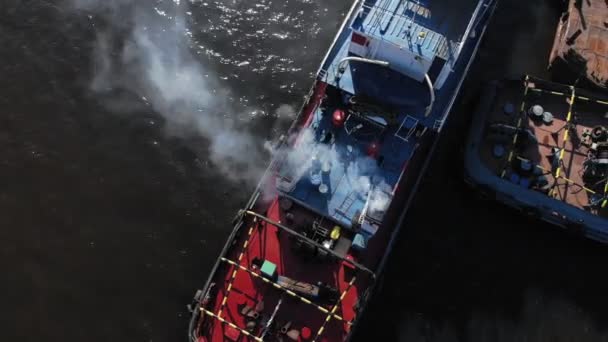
x=389 y=19
x=397 y=22
x=447 y=17
x=341 y=180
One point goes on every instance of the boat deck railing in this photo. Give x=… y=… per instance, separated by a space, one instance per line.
x=518 y=128
x=286 y=290
x=311 y=241
x=590 y=191
x=382 y=9
x=574 y=97
x=329 y=312
x=564 y=140
x=407 y=24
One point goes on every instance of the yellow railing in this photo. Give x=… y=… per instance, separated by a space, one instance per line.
x=562 y=177
x=286 y=290
x=333 y=310
x=242 y=331
x=565 y=140
x=520 y=121
x=235 y=271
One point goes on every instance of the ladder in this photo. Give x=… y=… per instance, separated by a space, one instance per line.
x=319 y=230
x=438 y=124
x=322 y=74
x=346 y=204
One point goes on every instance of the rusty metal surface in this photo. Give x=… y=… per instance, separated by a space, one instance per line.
x=582 y=40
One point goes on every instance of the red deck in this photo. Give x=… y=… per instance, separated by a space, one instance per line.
x=265 y=241
x=239 y=283
x=269 y=232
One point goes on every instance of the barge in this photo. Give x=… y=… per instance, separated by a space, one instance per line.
x=542 y=148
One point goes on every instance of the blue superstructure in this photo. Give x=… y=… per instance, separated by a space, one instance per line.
x=421 y=52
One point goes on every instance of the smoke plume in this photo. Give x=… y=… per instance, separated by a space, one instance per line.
x=307 y=156
x=145 y=51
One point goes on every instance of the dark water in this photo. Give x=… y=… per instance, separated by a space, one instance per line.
x=109 y=225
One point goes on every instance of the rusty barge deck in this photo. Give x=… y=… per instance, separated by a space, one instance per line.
x=580 y=49
x=542 y=147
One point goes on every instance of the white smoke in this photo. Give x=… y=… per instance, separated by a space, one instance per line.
x=145 y=51
x=285 y=112
x=380 y=200
x=361 y=171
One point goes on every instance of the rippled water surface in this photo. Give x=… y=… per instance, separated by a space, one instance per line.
x=121 y=131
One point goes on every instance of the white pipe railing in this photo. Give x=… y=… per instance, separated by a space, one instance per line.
x=360 y=59
x=429 y=108
x=429 y=83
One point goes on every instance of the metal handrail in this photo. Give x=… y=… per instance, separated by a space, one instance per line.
x=398 y=15
x=286 y=290
x=311 y=241
x=340 y=69
x=334 y=308
x=234 y=326
x=429 y=83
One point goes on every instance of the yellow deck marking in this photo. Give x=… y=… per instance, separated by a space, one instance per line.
x=288 y=291
x=333 y=310
x=562 y=177
x=565 y=140
x=234 y=273
x=244 y=332
x=582 y=98
x=558 y=171
x=518 y=126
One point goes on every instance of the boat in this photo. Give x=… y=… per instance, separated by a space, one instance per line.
x=541 y=147
x=308 y=249
x=580 y=50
